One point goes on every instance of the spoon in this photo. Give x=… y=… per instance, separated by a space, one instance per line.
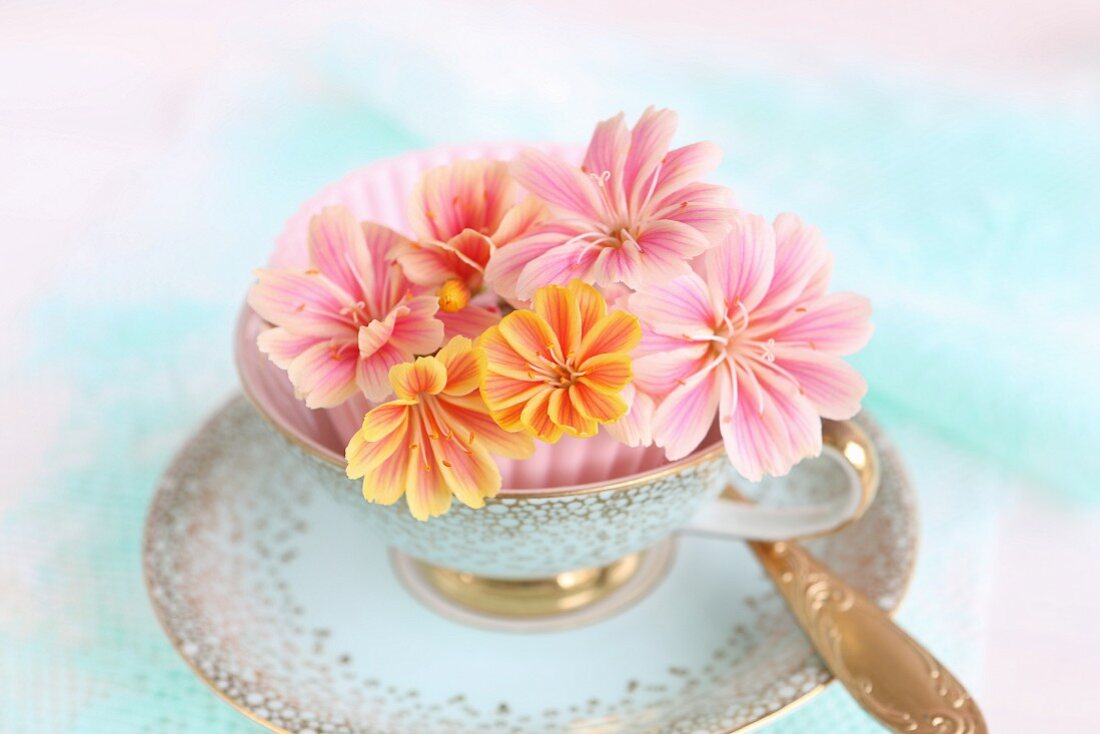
x=888 y=672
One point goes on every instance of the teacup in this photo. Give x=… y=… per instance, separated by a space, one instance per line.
x=571 y=523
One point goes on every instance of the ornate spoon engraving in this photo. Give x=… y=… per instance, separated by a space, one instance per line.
x=888 y=672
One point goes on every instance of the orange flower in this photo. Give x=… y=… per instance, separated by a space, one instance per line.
x=435 y=439
x=560 y=368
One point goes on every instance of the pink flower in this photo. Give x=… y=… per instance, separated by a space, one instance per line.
x=633 y=213
x=341 y=324
x=460 y=215
x=753 y=336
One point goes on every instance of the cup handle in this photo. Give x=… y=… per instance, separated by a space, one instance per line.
x=731 y=517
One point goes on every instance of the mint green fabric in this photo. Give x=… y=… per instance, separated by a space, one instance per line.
x=970 y=221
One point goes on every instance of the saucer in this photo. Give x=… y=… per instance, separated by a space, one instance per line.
x=274 y=596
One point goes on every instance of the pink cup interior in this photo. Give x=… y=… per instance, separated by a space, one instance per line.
x=378 y=192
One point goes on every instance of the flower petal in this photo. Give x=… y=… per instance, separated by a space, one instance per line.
x=502 y=393
x=385 y=482
x=740 y=267
x=590 y=303
x=618 y=331
x=833 y=386
x=426 y=490
x=520 y=221
x=501 y=357
x=469 y=472
x=536 y=418
x=468 y=416
x=683 y=418
x=666 y=247
x=660 y=373
x=800 y=254
x=335 y=241
x=560 y=185
x=372 y=372
x=566 y=415
x=839 y=323
x=607 y=373
x=595 y=405
x=606 y=266
x=557 y=306
x=607 y=152
x=770 y=427
x=426 y=375
x=559 y=265
x=685 y=165
x=281 y=346
x=649 y=141
x=681 y=307
x=426 y=263
x=383 y=432
x=415 y=329
x=465 y=366
x=471 y=194
x=324 y=374
x=471 y=321
x=383 y=282
x=635 y=427
x=530 y=336
x=708 y=208
x=298 y=301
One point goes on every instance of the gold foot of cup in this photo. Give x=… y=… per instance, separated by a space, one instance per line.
x=565 y=600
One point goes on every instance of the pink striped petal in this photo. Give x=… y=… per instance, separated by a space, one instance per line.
x=335 y=241
x=636 y=427
x=507 y=263
x=556 y=266
x=520 y=221
x=471 y=194
x=685 y=416
x=376 y=356
x=416 y=330
x=838 y=323
x=767 y=427
x=833 y=386
x=558 y=184
x=606 y=266
x=740 y=267
x=298 y=301
x=685 y=165
x=471 y=321
x=383 y=282
x=660 y=373
x=281 y=346
x=372 y=372
x=607 y=152
x=683 y=307
x=425 y=263
x=706 y=207
x=649 y=141
x=324 y=376
x=800 y=254
x=666 y=247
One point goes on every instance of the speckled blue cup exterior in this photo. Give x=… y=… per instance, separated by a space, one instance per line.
x=520 y=535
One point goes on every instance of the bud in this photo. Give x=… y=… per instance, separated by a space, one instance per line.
x=454 y=294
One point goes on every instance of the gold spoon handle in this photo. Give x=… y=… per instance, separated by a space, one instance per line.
x=888 y=672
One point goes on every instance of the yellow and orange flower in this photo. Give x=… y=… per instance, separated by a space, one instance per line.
x=436 y=439
x=562 y=367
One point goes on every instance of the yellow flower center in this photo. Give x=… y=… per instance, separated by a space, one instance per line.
x=453 y=295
